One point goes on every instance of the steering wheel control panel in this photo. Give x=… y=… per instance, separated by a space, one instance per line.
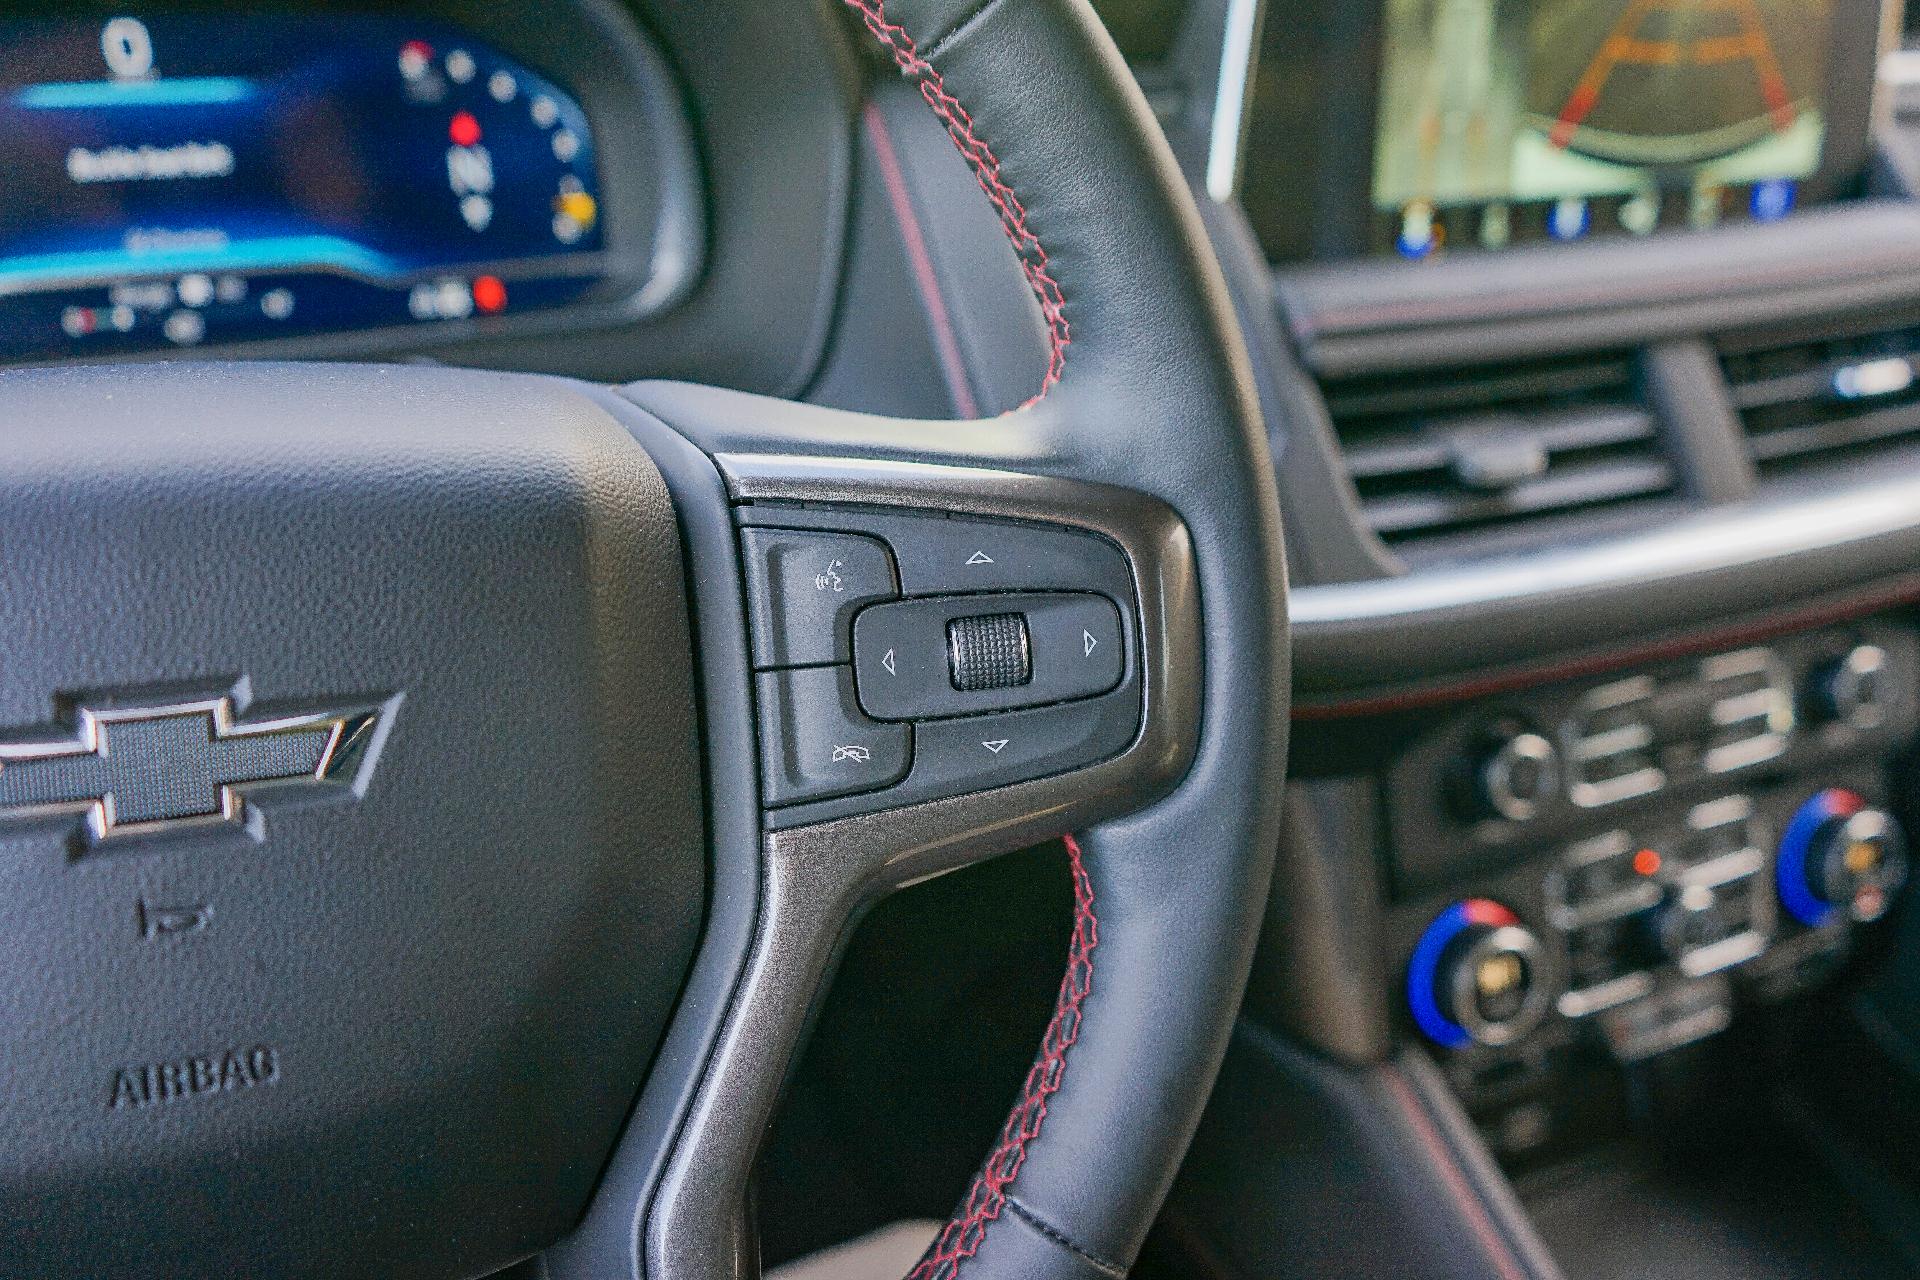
x=908 y=658
x=1610 y=870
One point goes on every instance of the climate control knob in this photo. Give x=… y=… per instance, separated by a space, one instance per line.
x=1476 y=977
x=1839 y=856
x=1856 y=689
x=1515 y=773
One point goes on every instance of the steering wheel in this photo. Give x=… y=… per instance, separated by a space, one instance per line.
x=378 y=810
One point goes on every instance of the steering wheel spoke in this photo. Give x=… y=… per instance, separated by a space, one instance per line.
x=1144 y=443
x=952 y=660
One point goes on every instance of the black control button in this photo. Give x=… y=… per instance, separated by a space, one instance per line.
x=814 y=743
x=989 y=651
x=938 y=557
x=1600 y=880
x=805 y=587
x=1507 y=771
x=906 y=669
x=1693 y=919
x=1682 y=713
x=1599 y=953
x=1516 y=776
x=957 y=756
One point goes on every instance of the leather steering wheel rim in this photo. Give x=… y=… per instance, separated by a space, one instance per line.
x=1167 y=904
x=1148 y=388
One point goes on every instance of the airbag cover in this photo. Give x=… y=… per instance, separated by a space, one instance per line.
x=381 y=1015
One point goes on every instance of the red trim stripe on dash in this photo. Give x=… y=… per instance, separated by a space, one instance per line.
x=926 y=281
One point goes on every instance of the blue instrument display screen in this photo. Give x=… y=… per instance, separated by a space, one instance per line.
x=187 y=178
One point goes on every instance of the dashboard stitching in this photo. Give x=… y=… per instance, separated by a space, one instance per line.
x=961 y=1238
x=1034 y=263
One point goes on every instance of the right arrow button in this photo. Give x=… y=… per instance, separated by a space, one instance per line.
x=1077 y=646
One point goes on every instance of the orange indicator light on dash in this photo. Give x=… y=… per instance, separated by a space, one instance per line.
x=1646 y=862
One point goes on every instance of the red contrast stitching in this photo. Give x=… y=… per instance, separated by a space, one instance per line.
x=986 y=169
x=961 y=1237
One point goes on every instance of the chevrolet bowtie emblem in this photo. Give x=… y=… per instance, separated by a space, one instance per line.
x=139 y=769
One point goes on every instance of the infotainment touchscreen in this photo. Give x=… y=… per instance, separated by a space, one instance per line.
x=1501 y=121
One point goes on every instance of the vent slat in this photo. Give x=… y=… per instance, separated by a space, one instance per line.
x=1378 y=461
x=1464 y=389
x=1788 y=388
x=1444 y=452
x=1605 y=482
x=1836 y=434
x=1815 y=398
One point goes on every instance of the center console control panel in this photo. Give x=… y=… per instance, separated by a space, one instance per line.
x=1614 y=865
x=905 y=658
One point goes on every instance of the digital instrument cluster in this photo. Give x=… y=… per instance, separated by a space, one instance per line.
x=192 y=178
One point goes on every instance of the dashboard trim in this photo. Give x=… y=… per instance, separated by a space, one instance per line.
x=1361 y=317
x=1228 y=129
x=1444 y=634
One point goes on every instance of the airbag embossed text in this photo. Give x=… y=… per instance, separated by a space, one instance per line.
x=205 y=1076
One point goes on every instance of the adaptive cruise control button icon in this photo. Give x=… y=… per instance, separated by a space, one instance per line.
x=857 y=754
x=142 y=768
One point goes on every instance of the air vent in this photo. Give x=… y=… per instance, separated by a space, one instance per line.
x=1447 y=451
x=1824 y=398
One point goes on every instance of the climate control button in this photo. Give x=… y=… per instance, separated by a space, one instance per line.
x=1476 y=977
x=1840 y=856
